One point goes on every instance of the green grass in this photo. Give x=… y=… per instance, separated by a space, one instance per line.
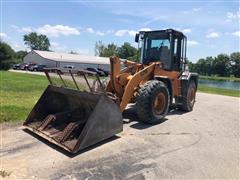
x=217 y=78
x=18 y=94
x=212 y=90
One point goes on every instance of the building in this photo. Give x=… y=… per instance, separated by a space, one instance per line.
x=78 y=61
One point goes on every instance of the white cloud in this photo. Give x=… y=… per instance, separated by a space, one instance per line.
x=27 y=29
x=3 y=35
x=186 y=31
x=192 y=43
x=49 y=30
x=213 y=35
x=57 y=30
x=124 y=32
x=132 y=33
x=90 y=30
x=233 y=15
x=237 y=33
x=121 y=32
x=145 y=29
x=100 y=33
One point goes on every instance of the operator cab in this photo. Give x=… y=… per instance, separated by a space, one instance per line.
x=166 y=46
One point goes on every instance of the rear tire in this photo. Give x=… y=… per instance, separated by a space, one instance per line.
x=189 y=95
x=152 y=102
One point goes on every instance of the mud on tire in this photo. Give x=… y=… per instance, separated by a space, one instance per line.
x=152 y=102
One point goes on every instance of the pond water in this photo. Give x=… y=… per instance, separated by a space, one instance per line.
x=220 y=84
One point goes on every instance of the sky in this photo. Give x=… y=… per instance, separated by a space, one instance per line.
x=212 y=27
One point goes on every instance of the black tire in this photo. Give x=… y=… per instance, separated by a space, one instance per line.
x=188 y=100
x=148 y=94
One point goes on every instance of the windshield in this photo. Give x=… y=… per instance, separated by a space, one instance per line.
x=156 y=47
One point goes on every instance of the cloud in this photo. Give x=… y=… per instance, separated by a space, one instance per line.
x=100 y=33
x=57 y=30
x=233 y=15
x=145 y=29
x=186 y=31
x=52 y=31
x=213 y=35
x=124 y=32
x=90 y=30
x=192 y=43
x=237 y=33
x=27 y=29
x=3 y=35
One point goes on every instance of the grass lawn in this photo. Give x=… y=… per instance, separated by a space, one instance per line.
x=18 y=94
x=216 y=78
x=212 y=90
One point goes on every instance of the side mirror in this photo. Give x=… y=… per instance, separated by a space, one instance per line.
x=136 y=38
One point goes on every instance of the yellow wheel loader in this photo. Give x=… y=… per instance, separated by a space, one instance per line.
x=75 y=119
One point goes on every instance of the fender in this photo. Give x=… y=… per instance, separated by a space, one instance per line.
x=168 y=83
x=186 y=78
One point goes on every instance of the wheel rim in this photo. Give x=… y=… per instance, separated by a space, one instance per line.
x=191 y=96
x=159 y=103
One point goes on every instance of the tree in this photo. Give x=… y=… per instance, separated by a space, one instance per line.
x=19 y=55
x=99 y=47
x=6 y=56
x=209 y=65
x=127 y=51
x=201 y=66
x=221 y=65
x=110 y=50
x=105 y=50
x=37 y=42
x=235 y=64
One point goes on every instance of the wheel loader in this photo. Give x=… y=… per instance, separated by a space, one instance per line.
x=74 y=119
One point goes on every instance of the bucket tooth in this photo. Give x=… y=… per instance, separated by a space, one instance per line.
x=64 y=135
x=50 y=118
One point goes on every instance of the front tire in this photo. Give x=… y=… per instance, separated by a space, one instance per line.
x=152 y=102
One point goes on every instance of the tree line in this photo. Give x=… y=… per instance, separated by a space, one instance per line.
x=222 y=65
x=125 y=51
x=8 y=56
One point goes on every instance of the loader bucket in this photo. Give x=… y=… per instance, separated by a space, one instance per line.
x=73 y=119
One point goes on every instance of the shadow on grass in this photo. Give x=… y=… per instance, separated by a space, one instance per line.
x=63 y=151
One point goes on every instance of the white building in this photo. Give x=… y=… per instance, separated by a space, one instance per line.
x=78 y=61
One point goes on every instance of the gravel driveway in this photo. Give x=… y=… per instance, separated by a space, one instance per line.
x=202 y=144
